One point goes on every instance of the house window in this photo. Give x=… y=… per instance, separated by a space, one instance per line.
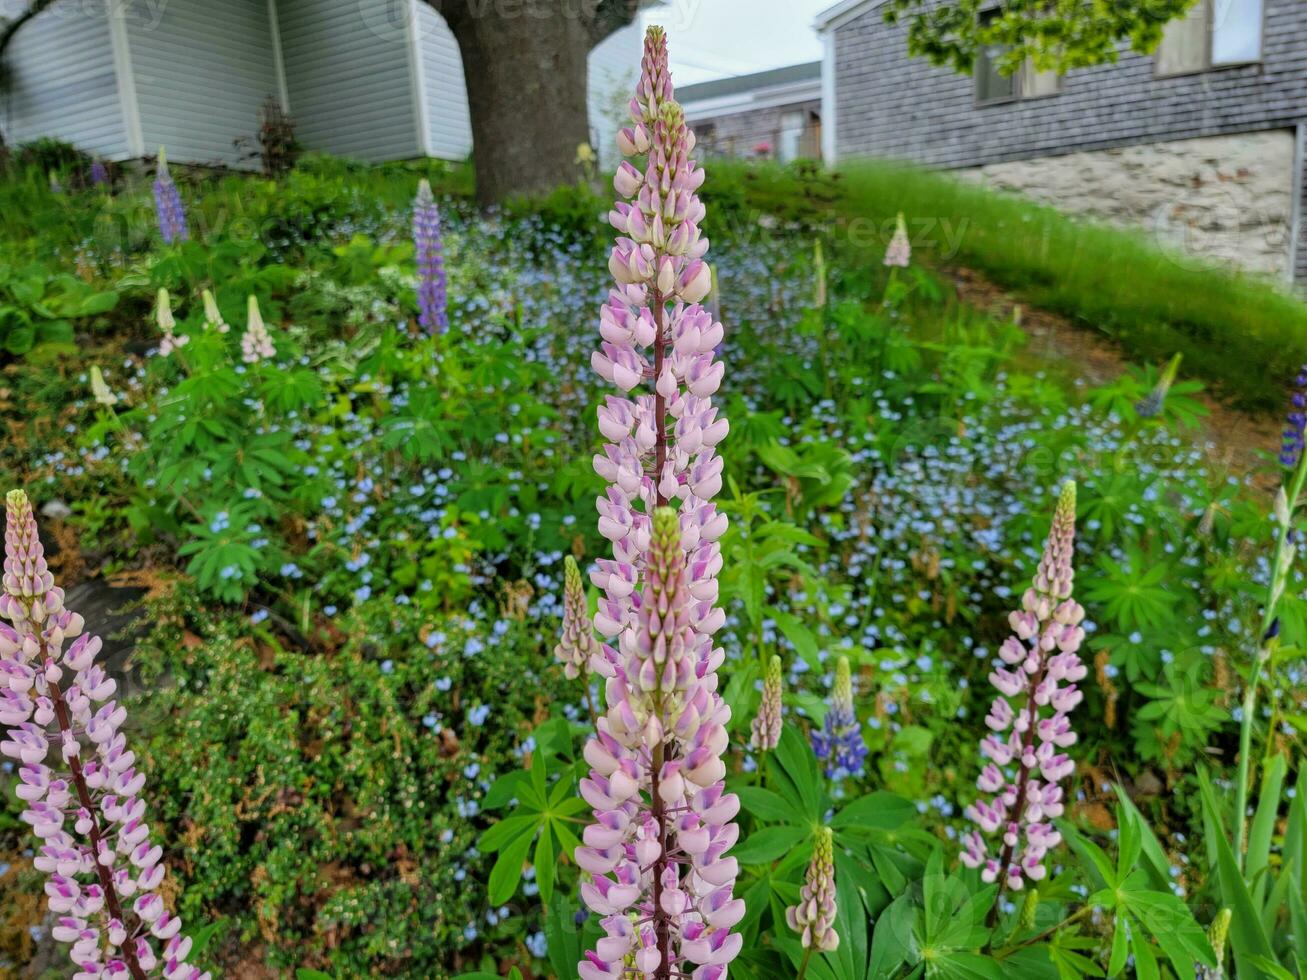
x=993 y=86
x=1212 y=34
x=1236 y=31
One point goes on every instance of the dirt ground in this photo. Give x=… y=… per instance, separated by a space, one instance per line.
x=1233 y=438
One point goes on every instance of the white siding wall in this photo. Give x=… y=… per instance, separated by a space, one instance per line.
x=350 y=76
x=202 y=69
x=449 y=126
x=62 y=81
x=614 y=66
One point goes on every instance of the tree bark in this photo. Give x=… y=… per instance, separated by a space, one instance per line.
x=524 y=62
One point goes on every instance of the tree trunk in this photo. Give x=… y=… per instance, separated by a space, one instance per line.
x=525 y=66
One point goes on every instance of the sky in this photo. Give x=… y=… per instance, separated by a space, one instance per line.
x=711 y=39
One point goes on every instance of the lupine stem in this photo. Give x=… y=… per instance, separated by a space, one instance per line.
x=1279 y=570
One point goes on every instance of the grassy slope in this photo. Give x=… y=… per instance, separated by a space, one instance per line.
x=1242 y=335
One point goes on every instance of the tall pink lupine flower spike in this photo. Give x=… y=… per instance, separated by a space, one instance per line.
x=1028 y=720
x=660 y=877
x=663 y=822
x=105 y=875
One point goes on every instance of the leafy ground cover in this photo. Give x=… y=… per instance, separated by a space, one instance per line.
x=362 y=751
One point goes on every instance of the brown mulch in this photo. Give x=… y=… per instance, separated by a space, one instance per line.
x=1233 y=438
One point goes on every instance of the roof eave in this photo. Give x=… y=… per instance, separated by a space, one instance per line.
x=842 y=12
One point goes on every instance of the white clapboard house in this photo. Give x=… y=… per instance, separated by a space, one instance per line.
x=368 y=79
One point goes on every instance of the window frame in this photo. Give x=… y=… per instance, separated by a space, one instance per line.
x=1019 y=93
x=1209 y=41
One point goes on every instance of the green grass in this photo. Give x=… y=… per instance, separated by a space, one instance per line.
x=1243 y=335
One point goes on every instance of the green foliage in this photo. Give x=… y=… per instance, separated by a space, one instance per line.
x=41 y=307
x=1068 y=34
x=1234 y=331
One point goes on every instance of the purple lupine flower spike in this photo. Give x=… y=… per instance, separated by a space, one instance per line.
x=99 y=173
x=168 y=206
x=814 y=917
x=1029 y=727
x=1295 y=430
x=765 y=731
x=85 y=805
x=661 y=881
x=432 y=297
x=839 y=742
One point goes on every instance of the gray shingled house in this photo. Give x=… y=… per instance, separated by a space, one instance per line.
x=1202 y=143
x=775 y=113
x=370 y=79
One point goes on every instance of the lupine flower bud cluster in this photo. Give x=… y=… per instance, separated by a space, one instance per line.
x=662 y=882
x=78 y=778
x=814 y=917
x=100 y=390
x=838 y=743
x=1029 y=727
x=765 y=732
x=256 y=342
x=432 y=300
x=577 y=645
x=167 y=324
x=168 y=208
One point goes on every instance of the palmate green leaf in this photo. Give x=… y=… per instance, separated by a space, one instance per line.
x=794 y=766
x=562 y=935
x=544 y=863
x=769 y=843
x=1133 y=595
x=1120 y=945
x=1092 y=856
x=764 y=804
x=1157 y=865
x=506 y=874
x=505 y=831
x=1145 y=961
x=800 y=637
x=878 y=810
x=1170 y=922
x=1273 y=969
x=892 y=945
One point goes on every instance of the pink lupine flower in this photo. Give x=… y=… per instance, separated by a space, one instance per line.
x=765 y=731
x=212 y=315
x=1037 y=689
x=78 y=778
x=167 y=324
x=256 y=342
x=663 y=822
x=899 y=252
x=814 y=917
x=577 y=645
